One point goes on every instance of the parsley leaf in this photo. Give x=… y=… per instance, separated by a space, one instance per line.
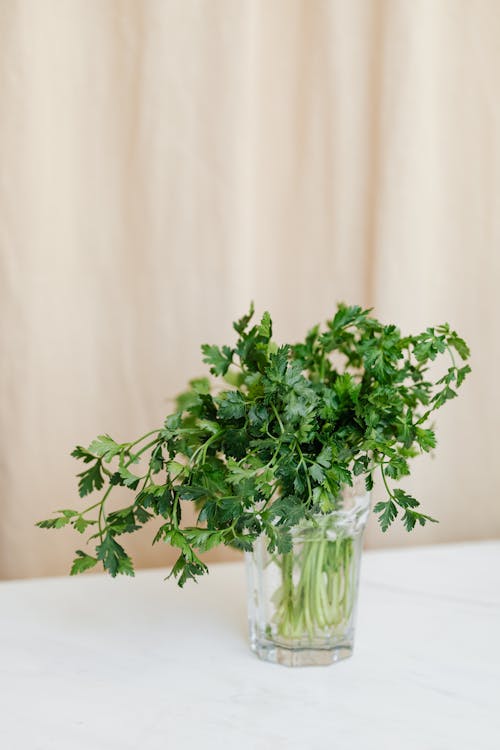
x=114 y=558
x=218 y=358
x=388 y=512
x=90 y=480
x=82 y=562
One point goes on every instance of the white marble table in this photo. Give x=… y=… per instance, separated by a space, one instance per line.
x=94 y=664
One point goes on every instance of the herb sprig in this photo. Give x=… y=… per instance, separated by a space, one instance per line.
x=292 y=426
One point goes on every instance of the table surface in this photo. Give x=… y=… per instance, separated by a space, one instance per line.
x=92 y=663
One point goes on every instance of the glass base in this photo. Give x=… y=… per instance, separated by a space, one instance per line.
x=301 y=656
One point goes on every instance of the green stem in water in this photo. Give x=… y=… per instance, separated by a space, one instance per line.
x=321 y=597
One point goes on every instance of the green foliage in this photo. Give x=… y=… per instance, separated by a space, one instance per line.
x=91 y=479
x=82 y=562
x=388 y=512
x=219 y=359
x=113 y=557
x=289 y=429
x=104 y=447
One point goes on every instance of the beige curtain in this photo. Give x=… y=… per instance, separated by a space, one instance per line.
x=164 y=162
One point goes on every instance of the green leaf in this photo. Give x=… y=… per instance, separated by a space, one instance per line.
x=265 y=327
x=83 y=453
x=388 y=512
x=462 y=374
x=54 y=523
x=142 y=515
x=346 y=388
x=200 y=385
x=397 y=467
x=361 y=465
x=235 y=443
x=445 y=395
x=243 y=542
x=90 y=480
x=114 y=558
x=157 y=462
x=258 y=416
x=426 y=439
x=411 y=517
x=185 y=570
x=81 y=524
x=188 y=564
x=323 y=499
x=317 y=473
x=346 y=316
x=173 y=423
x=231 y=406
x=191 y=492
x=176 y=469
x=82 y=562
x=406 y=430
x=459 y=345
x=126 y=478
x=278 y=363
x=238 y=472
x=324 y=458
x=209 y=426
x=156 y=490
x=450 y=376
x=241 y=324
x=289 y=510
x=282 y=541
x=339 y=475
x=122 y=521
x=218 y=358
x=105 y=447
x=203 y=539
x=404 y=500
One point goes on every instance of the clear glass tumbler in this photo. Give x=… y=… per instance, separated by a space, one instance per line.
x=302 y=604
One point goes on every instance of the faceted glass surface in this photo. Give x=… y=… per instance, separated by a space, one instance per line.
x=302 y=604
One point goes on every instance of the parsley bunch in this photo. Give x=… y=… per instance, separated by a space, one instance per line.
x=290 y=427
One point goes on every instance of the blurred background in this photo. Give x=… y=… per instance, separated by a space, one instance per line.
x=164 y=162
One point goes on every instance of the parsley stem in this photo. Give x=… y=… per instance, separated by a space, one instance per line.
x=146 y=479
x=452 y=356
x=391 y=494
x=100 y=517
x=100 y=502
x=143 y=450
x=174 y=511
x=205 y=445
x=322 y=597
x=277 y=417
x=322 y=368
x=143 y=437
